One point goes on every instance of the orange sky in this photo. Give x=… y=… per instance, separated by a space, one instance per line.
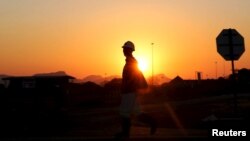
x=84 y=37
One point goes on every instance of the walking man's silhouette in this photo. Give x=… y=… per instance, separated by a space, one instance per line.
x=133 y=82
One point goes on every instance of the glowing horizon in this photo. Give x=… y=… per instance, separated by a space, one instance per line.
x=85 y=37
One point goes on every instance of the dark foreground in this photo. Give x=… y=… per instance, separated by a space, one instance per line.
x=177 y=121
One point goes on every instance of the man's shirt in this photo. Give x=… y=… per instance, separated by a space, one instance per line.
x=132 y=77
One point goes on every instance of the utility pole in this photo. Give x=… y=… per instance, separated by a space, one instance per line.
x=152 y=63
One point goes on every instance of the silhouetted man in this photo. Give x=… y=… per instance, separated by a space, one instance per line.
x=133 y=83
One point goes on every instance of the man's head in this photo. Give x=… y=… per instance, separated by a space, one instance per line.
x=128 y=48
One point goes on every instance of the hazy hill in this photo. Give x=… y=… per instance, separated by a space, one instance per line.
x=159 y=79
x=98 y=79
x=3 y=75
x=58 y=73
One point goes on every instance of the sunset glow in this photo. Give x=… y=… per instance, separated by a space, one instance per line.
x=143 y=65
x=85 y=37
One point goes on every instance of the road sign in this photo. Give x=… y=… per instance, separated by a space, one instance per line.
x=230 y=44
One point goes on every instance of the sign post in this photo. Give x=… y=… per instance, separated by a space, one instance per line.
x=230 y=45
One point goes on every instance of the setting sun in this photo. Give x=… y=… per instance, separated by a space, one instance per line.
x=143 y=65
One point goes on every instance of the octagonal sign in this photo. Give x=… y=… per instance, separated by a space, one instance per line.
x=230 y=44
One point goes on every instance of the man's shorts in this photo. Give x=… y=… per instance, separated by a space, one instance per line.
x=129 y=105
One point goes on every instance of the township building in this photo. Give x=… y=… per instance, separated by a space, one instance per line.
x=36 y=82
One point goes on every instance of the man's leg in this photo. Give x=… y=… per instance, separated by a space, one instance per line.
x=125 y=129
x=126 y=107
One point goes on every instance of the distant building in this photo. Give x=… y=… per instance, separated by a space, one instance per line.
x=177 y=79
x=113 y=91
x=113 y=87
x=34 y=94
x=179 y=88
x=32 y=82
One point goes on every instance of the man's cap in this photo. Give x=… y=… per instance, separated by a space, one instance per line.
x=130 y=45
